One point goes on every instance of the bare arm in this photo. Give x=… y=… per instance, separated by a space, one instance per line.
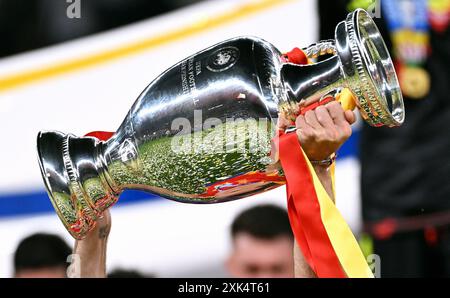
x=324 y=175
x=301 y=267
x=90 y=253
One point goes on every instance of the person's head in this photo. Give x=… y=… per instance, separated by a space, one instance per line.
x=262 y=243
x=41 y=255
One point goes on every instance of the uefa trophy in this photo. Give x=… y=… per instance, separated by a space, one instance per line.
x=201 y=132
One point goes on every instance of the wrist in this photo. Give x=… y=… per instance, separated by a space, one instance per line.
x=321 y=170
x=324 y=163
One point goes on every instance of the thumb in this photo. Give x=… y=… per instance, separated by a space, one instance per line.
x=350 y=116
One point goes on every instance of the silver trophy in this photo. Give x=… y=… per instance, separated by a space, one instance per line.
x=201 y=132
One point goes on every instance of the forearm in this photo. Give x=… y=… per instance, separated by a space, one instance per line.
x=301 y=267
x=90 y=253
x=324 y=175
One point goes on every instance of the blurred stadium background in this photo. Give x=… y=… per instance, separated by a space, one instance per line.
x=89 y=83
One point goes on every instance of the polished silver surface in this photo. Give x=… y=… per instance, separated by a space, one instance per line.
x=362 y=63
x=370 y=71
x=201 y=132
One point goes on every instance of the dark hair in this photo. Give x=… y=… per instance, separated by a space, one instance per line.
x=41 y=251
x=125 y=273
x=264 y=221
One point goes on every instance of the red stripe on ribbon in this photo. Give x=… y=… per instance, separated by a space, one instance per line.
x=304 y=210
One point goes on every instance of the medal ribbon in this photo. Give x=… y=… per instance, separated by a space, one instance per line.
x=439 y=14
x=407 y=21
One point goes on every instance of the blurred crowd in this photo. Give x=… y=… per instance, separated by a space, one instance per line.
x=262 y=246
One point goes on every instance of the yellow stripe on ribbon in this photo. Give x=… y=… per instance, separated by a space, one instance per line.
x=341 y=237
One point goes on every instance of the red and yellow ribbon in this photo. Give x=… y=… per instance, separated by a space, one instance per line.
x=324 y=237
x=321 y=232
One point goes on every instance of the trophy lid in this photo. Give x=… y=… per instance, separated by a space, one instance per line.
x=369 y=69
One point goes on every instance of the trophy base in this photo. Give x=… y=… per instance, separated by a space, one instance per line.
x=74 y=179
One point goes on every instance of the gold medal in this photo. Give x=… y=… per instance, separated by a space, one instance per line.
x=409 y=26
x=414 y=82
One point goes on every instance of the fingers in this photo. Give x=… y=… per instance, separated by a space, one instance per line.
x=330 y=119
x=323 y=130
x=336 y=112
x=283 y=122
x=301 y=125
x=302 y=104
x=304 y=130
x=350 y=116
x=308 y=102
x=341 y=119
x=311 y=120
x=324 y=117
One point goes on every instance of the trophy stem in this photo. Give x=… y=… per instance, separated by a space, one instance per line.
x=76 y=179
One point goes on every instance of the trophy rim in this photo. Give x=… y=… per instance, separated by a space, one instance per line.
x=375 y=70
x=84 y=222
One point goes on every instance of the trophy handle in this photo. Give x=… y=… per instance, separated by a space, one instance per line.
x=313 y=82
x=323 y=47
